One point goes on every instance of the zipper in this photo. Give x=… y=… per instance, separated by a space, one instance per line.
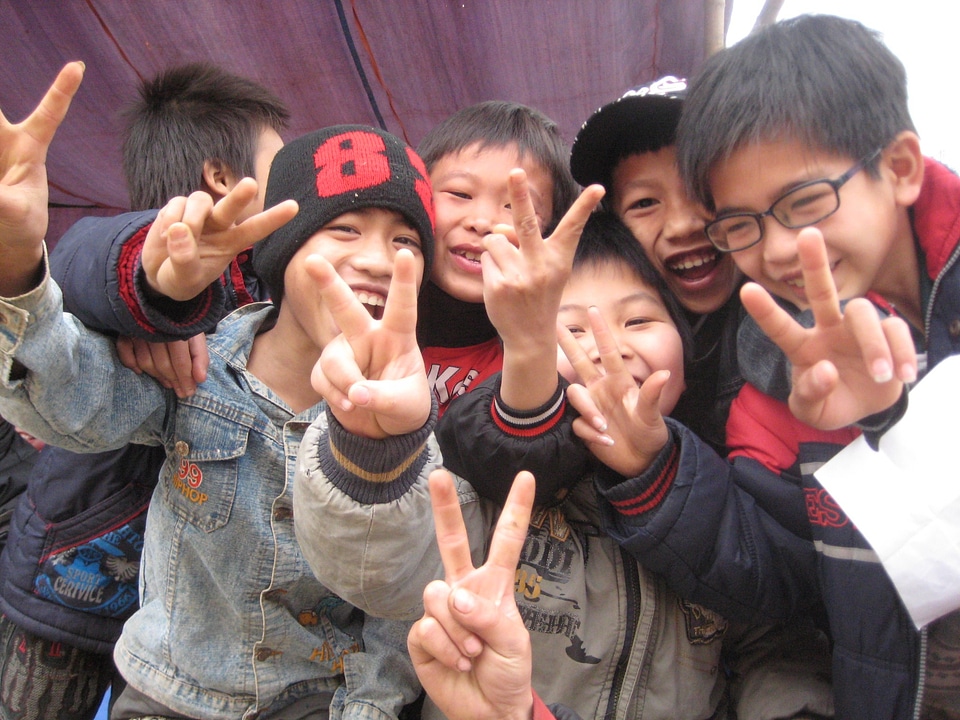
x=631 y=576
x=921 y=681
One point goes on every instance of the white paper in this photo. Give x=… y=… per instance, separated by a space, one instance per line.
x=905 y=498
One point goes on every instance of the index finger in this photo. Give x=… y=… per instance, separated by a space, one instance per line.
x=610 y=356
x=511 y=532
x=579 y=361
x=43 y=122
x=524 y=215
x=819 y=286
x=340 y=301
x=449 y=527
x=400 y=309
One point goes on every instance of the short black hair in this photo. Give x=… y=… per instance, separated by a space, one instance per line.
x=187 y=115
x=824 y=81
x=496 y=124
x=605 y=238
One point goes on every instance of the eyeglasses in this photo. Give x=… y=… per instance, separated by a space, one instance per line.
x=806 y=204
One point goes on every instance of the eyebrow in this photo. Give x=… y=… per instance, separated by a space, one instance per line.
x=639 y=296
x=776 y=195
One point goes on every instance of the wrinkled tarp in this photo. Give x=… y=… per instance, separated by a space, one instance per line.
x=398 y=64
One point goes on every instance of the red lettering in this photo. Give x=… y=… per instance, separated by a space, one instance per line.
x=354 y=160
x=823 y=510
x=421 y=185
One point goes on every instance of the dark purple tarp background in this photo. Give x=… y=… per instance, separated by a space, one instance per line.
x=402 y=64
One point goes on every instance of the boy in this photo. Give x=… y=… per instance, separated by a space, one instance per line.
x=469 y=156
x=608 y=639
x=222 y=633
x=629 y=147
x=806 y=124
x=80 y=524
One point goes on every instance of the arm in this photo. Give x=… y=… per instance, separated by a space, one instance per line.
x=850 y=364
x=23 y=184
x=692 y=518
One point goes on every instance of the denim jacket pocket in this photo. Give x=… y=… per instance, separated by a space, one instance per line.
x=203 y=461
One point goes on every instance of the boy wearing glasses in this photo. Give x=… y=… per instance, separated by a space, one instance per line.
x=800 y=139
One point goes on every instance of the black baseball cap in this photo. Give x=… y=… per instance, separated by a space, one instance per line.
x=643 y=119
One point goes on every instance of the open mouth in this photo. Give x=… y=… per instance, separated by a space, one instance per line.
x=469 y=255
x=373 y=303
x=694 y=265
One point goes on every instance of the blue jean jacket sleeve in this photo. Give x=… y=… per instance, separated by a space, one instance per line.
x=75 y=393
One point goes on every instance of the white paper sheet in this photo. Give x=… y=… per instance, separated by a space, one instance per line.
x=905 y=498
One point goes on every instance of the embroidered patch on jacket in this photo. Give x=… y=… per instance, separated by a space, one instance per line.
x=188 y=480
x=98 y=577
x=823 y=510
x=703 y=626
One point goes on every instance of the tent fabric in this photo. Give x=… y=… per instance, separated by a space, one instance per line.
x=398 y=64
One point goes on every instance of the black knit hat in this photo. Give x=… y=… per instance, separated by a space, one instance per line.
x=643 y=119
x=337 y=170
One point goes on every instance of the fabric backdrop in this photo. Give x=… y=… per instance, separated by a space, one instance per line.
x=399 y=64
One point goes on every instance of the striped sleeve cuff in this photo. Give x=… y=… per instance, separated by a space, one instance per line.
x=529 y=423
x=374 y=471
x=632 y=497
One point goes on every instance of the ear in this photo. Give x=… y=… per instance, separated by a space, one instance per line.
x=218 y=178
x=904 y=160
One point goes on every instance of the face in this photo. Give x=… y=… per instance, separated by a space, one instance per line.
x=637 y=318
x=471 y=196
x=649 y=197
x=268 y=145
x=860 y=236
x=362 y=247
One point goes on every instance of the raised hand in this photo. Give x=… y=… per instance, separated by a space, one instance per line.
x=523 y=278
x=179 y=365
x=620 y=422
x=470 y=649
x=850 y=364
x=372 y=374
x=193 y=240
x=23 y=183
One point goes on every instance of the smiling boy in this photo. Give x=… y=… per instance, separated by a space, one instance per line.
x=800 y=138
x=221 y=633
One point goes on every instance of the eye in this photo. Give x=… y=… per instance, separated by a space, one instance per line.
x=639 y=322
x=458 y=194
x=643 y=204
x=410 y=241
x=344 y=229
x=576 y=330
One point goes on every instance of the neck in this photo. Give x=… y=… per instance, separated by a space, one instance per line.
x=900 y=282
x=283 y=361
x=445 y=321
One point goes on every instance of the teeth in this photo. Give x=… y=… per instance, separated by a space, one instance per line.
x=692 y=261
x=798 y=283
x=370 y=299
x=472 y=256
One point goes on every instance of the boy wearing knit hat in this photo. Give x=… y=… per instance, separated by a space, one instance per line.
x=232 y=623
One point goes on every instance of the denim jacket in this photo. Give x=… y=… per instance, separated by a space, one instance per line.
x=233 y=623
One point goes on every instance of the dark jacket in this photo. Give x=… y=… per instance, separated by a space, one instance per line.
x=17 y=459
x=737 y=537
x=69 y=572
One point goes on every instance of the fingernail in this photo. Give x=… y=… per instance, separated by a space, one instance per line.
x=600 y=424
x=908 y=373
x=464 y=665
x=882 y=371
x=605 y=440
x=177 y=232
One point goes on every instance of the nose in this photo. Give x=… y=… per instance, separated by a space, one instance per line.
x=779 y=244
x=484 y=214
x=375 y=256
x=684 y=218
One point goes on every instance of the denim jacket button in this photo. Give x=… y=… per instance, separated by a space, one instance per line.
x=266 y=653
x=283 y=513
x=181 y=448
x=954 y=328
